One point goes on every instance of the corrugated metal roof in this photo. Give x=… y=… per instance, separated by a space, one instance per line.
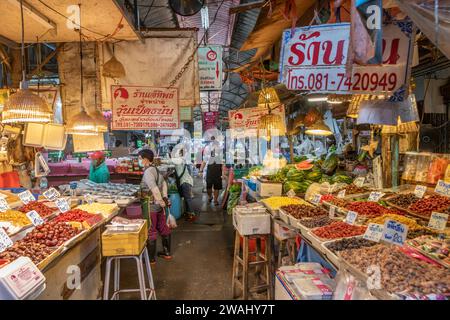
x=153 y=13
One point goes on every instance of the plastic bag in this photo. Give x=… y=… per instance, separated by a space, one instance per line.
x=171 y=221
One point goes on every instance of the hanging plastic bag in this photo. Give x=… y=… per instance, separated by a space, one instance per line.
x=171 y=221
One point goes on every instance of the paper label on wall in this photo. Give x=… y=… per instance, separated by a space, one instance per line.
x=443 y=188
x=291 y=193
x=419 y=191
x=51 y=194
x=438 y=220
x=374 y=232
x=26 y=197
x=316 y=199
x=62 y=205
x=35 y=218
x=332 y=212
x=341 y=194
x=5 y=240
x=375 y=196
x=395 y=232
x=3 y=205
x=351 y=217
x=359 y=182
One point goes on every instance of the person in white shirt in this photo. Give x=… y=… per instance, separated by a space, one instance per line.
x=213 y=159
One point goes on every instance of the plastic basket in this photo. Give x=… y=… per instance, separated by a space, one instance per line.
x=240 y=173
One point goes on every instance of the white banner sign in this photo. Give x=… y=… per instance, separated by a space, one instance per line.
x=314 y=59
x=210 y=67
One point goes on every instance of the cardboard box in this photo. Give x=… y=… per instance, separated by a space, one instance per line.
x=269 y=189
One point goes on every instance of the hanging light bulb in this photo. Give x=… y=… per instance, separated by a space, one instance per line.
x=81 y=123
x=25 y=106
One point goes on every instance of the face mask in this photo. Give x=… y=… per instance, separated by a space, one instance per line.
x=141 y=163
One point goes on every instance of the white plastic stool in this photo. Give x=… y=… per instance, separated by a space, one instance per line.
x=140 y=260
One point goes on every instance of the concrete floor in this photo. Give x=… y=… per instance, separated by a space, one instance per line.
x=201 y=267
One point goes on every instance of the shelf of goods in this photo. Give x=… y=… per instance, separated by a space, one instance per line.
x=63 y=240
x=424 y=255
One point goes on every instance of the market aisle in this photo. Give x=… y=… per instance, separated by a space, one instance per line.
x=202 y=257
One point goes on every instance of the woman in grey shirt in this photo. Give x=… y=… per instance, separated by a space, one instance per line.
x=154 y=193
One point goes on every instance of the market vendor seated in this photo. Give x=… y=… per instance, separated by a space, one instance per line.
x=99 y=171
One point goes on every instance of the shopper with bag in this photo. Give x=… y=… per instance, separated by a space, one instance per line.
x=184 y=181
x=155 y=202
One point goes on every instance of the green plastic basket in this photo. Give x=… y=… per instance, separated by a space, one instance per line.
x=240 y=173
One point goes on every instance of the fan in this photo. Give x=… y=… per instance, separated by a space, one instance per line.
x=186 y=7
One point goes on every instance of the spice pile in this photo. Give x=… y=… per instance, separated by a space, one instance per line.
x=400 y=273
x=40 y=208
x=339 y=229
x=299 y=211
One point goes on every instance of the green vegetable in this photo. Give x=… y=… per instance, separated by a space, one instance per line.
x=341 y=178
x=314 y=176
x=330 y=164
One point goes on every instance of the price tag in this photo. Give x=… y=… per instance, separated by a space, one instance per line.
x=3 y=205
x=420 y=191
x=62 y=205
x=341 y=194
x=88 y=198
x=443 y=188
x=5 y=240
x=291 y=193
x=359 y=182
x=374 y=232
x=316 y=199
x=351 y=217
x=394 y=232
x=51 y=194
x=26 y=197
x=438 y=220
x=35 y=218
x=332 y=212
x=375 y=196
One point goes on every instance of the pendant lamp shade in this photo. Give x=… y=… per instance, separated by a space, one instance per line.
x=25 y=106
x=319 y=129
x=268 y=98
x=82 y=124
x=100 y=123
x=272 y=124
x=113 y=69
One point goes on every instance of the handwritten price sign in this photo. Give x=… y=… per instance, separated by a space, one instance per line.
x=35 y=218
x=62 y=205
x=3 y=205
x=332 y=212
x=443 y=188
x=359 y=182
x=316 y=199
x=351 y=217
x=375 y=196
x=374 y=232
x=395 y=232
x=5 y=240
x=438 y=220
x=341 y=194
x=291 y=193
x=420 y=191
x=51 y=194
x=26 y=197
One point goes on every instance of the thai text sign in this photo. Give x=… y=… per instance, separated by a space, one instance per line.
x=210 y=67
x=144 y=108
x=246 y=120
x=315 y=58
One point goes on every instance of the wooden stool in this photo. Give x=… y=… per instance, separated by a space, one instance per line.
x=261 y=263
x=140 y=259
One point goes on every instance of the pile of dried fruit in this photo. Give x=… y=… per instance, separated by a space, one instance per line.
x=338 y=202
x=51 y=234
x=411 y=223
x=277 y=202
x=404 y=200
x=17 y=218
x=35 y=251
x=349 y=243
x=40 y=208
x=339 y=229
x=366 y=208
x=426 y=206
x=300 y=211
x=353 y=189
x=400 y=273
x=317 y=222
x=74 y=215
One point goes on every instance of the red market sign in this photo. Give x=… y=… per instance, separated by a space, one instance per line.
x=314 y=59
x=144 y=108
x=210 y=120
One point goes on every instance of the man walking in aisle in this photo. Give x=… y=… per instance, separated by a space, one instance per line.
x=213 y=159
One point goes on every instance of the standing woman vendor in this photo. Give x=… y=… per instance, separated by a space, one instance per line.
x=98 y=172
x=154 y=197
